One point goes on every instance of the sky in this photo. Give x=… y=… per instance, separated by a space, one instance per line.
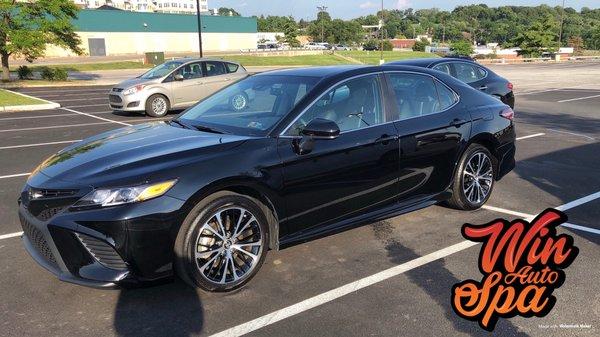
x=346 y=9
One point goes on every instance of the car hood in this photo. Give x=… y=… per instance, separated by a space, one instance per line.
x=135 y=152
x=132 y=82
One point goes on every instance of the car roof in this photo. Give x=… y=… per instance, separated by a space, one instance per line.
x=186 y=60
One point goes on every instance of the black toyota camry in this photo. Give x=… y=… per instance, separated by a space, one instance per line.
x=317 y=150
x=470 y=72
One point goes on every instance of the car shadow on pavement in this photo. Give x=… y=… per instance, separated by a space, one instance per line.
x=563 y=121
x=436 y=281
x=173 y=309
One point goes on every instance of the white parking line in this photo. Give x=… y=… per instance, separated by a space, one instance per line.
x=93 y=116
x=65 y=91
x=531 y=136
x=86 y=106
x=38 y=144
x=54 y=127
x=11 y=235
x=572 y=134
x=49 y=116
x=577 y=99
x=351 y=287
x=579 y=202
x=15 y=175
x=82 y=99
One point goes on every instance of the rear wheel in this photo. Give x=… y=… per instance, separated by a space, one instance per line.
x=157 y=106
x=222 y=242
x=474 y=179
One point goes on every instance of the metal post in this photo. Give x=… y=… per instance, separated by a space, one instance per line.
x=381 y=37
x=322 y=9
x=199 y=27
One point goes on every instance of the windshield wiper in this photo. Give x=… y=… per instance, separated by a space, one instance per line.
x=207 y=129
x=179 y=123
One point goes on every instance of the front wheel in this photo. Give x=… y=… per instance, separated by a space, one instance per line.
x=474 y=179
x=157 y=106
x=222 y=242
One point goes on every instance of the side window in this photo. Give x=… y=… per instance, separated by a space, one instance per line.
x=231 y=67
x=353 y=105
x=444 y=67
x=447 y=96
x=214 y=68
x=416 y=95
x=468 y=73
x=190 y=71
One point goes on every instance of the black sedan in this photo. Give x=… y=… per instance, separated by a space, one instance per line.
x=207 y=194
x=470 y=72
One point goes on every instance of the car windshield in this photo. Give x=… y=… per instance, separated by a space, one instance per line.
x=251 y=106
x=161 y=70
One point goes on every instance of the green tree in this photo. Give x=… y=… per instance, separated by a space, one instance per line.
x=26 y=28
x=420 y=45
x=462 y=47
x=224 y=11
x=539 y=38
x=291 y=33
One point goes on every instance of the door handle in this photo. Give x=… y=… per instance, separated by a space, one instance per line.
x=483 y=87
x=385 y=139
x=457 y=122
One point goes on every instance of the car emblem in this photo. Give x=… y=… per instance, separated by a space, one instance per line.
x=35 y=194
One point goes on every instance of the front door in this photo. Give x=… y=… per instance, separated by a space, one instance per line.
x=344 y=176
x=433 y=131
x=187 y=90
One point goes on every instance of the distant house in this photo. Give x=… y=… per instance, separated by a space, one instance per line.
x=403 y=43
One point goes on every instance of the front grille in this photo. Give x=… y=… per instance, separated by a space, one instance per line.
x=114 y=99
x=37 y=239
x=49 y=213
x=45 y=193
x=44 y=204
x=102 y=252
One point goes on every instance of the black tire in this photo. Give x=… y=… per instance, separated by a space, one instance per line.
x=461 y=198
x=239 y=101
x=153 y=101
x=189 y=237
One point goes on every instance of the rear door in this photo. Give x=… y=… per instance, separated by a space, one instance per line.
x=216 y=77
x=472 y=74
x=433 y=129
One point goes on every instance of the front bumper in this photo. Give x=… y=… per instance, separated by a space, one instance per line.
x=105 y=248
x=134 y=102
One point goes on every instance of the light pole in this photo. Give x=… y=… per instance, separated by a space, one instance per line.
x=562 y=19
x=199 y=27
x=381 y=61
x=322 y=9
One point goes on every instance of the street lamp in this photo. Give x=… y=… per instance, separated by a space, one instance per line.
x=322 y=9
x=199 y=27
x=381 y=61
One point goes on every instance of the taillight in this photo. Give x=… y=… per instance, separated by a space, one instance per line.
x=509 y=86
x=508 y=113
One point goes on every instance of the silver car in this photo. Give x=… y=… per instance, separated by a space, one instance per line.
x=177 y=84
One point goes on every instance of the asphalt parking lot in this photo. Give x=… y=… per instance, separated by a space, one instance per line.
x=331 y=286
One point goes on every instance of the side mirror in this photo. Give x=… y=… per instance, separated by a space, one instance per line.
x=321 y=128
x=178 y=77
x=318 y=128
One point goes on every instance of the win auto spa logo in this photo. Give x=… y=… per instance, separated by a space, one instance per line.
x=521 y=262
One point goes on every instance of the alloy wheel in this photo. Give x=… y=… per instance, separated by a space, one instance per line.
x=228 y=246
x=159 y=106
x=478 y=178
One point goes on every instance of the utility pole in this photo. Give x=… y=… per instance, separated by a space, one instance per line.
x=562 y=20
x=381 y=25
x=322 y=9
x=199 y=27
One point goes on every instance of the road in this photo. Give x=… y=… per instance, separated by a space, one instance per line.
x=308 y=289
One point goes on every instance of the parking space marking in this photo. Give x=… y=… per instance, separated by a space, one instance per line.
x=49 y=116
x=11 y=235
x=29 y=92
x=97 y=117
x=577 y=99
x=15 y=175
x=573 y=134
x=531 y=136
x=38 y=144
x=84 y=99
x=54 y=127
x=351 y=287
x=86 y=106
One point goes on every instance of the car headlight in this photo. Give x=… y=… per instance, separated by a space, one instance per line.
x=133 y=90
x=105 y=197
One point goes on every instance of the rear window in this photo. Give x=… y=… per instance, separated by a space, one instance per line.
x=232 y=67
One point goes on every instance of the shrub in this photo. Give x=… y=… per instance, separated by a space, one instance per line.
x=24 y=73
x=420 y=45
x=56 y=74
x=387 y=45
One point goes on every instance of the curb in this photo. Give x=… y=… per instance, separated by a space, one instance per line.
x=48 y=105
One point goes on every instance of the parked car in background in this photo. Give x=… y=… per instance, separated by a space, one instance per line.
x=470 y=72
x=316 y=46
x=370 y=47
x=207 y=194
x=269 y=46
x=176 y=84
x=341 y=47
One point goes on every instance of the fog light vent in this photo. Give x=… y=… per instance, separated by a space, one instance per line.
x=102 y=252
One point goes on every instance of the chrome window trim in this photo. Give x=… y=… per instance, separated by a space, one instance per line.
x=456 y=95
x=331 y=87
